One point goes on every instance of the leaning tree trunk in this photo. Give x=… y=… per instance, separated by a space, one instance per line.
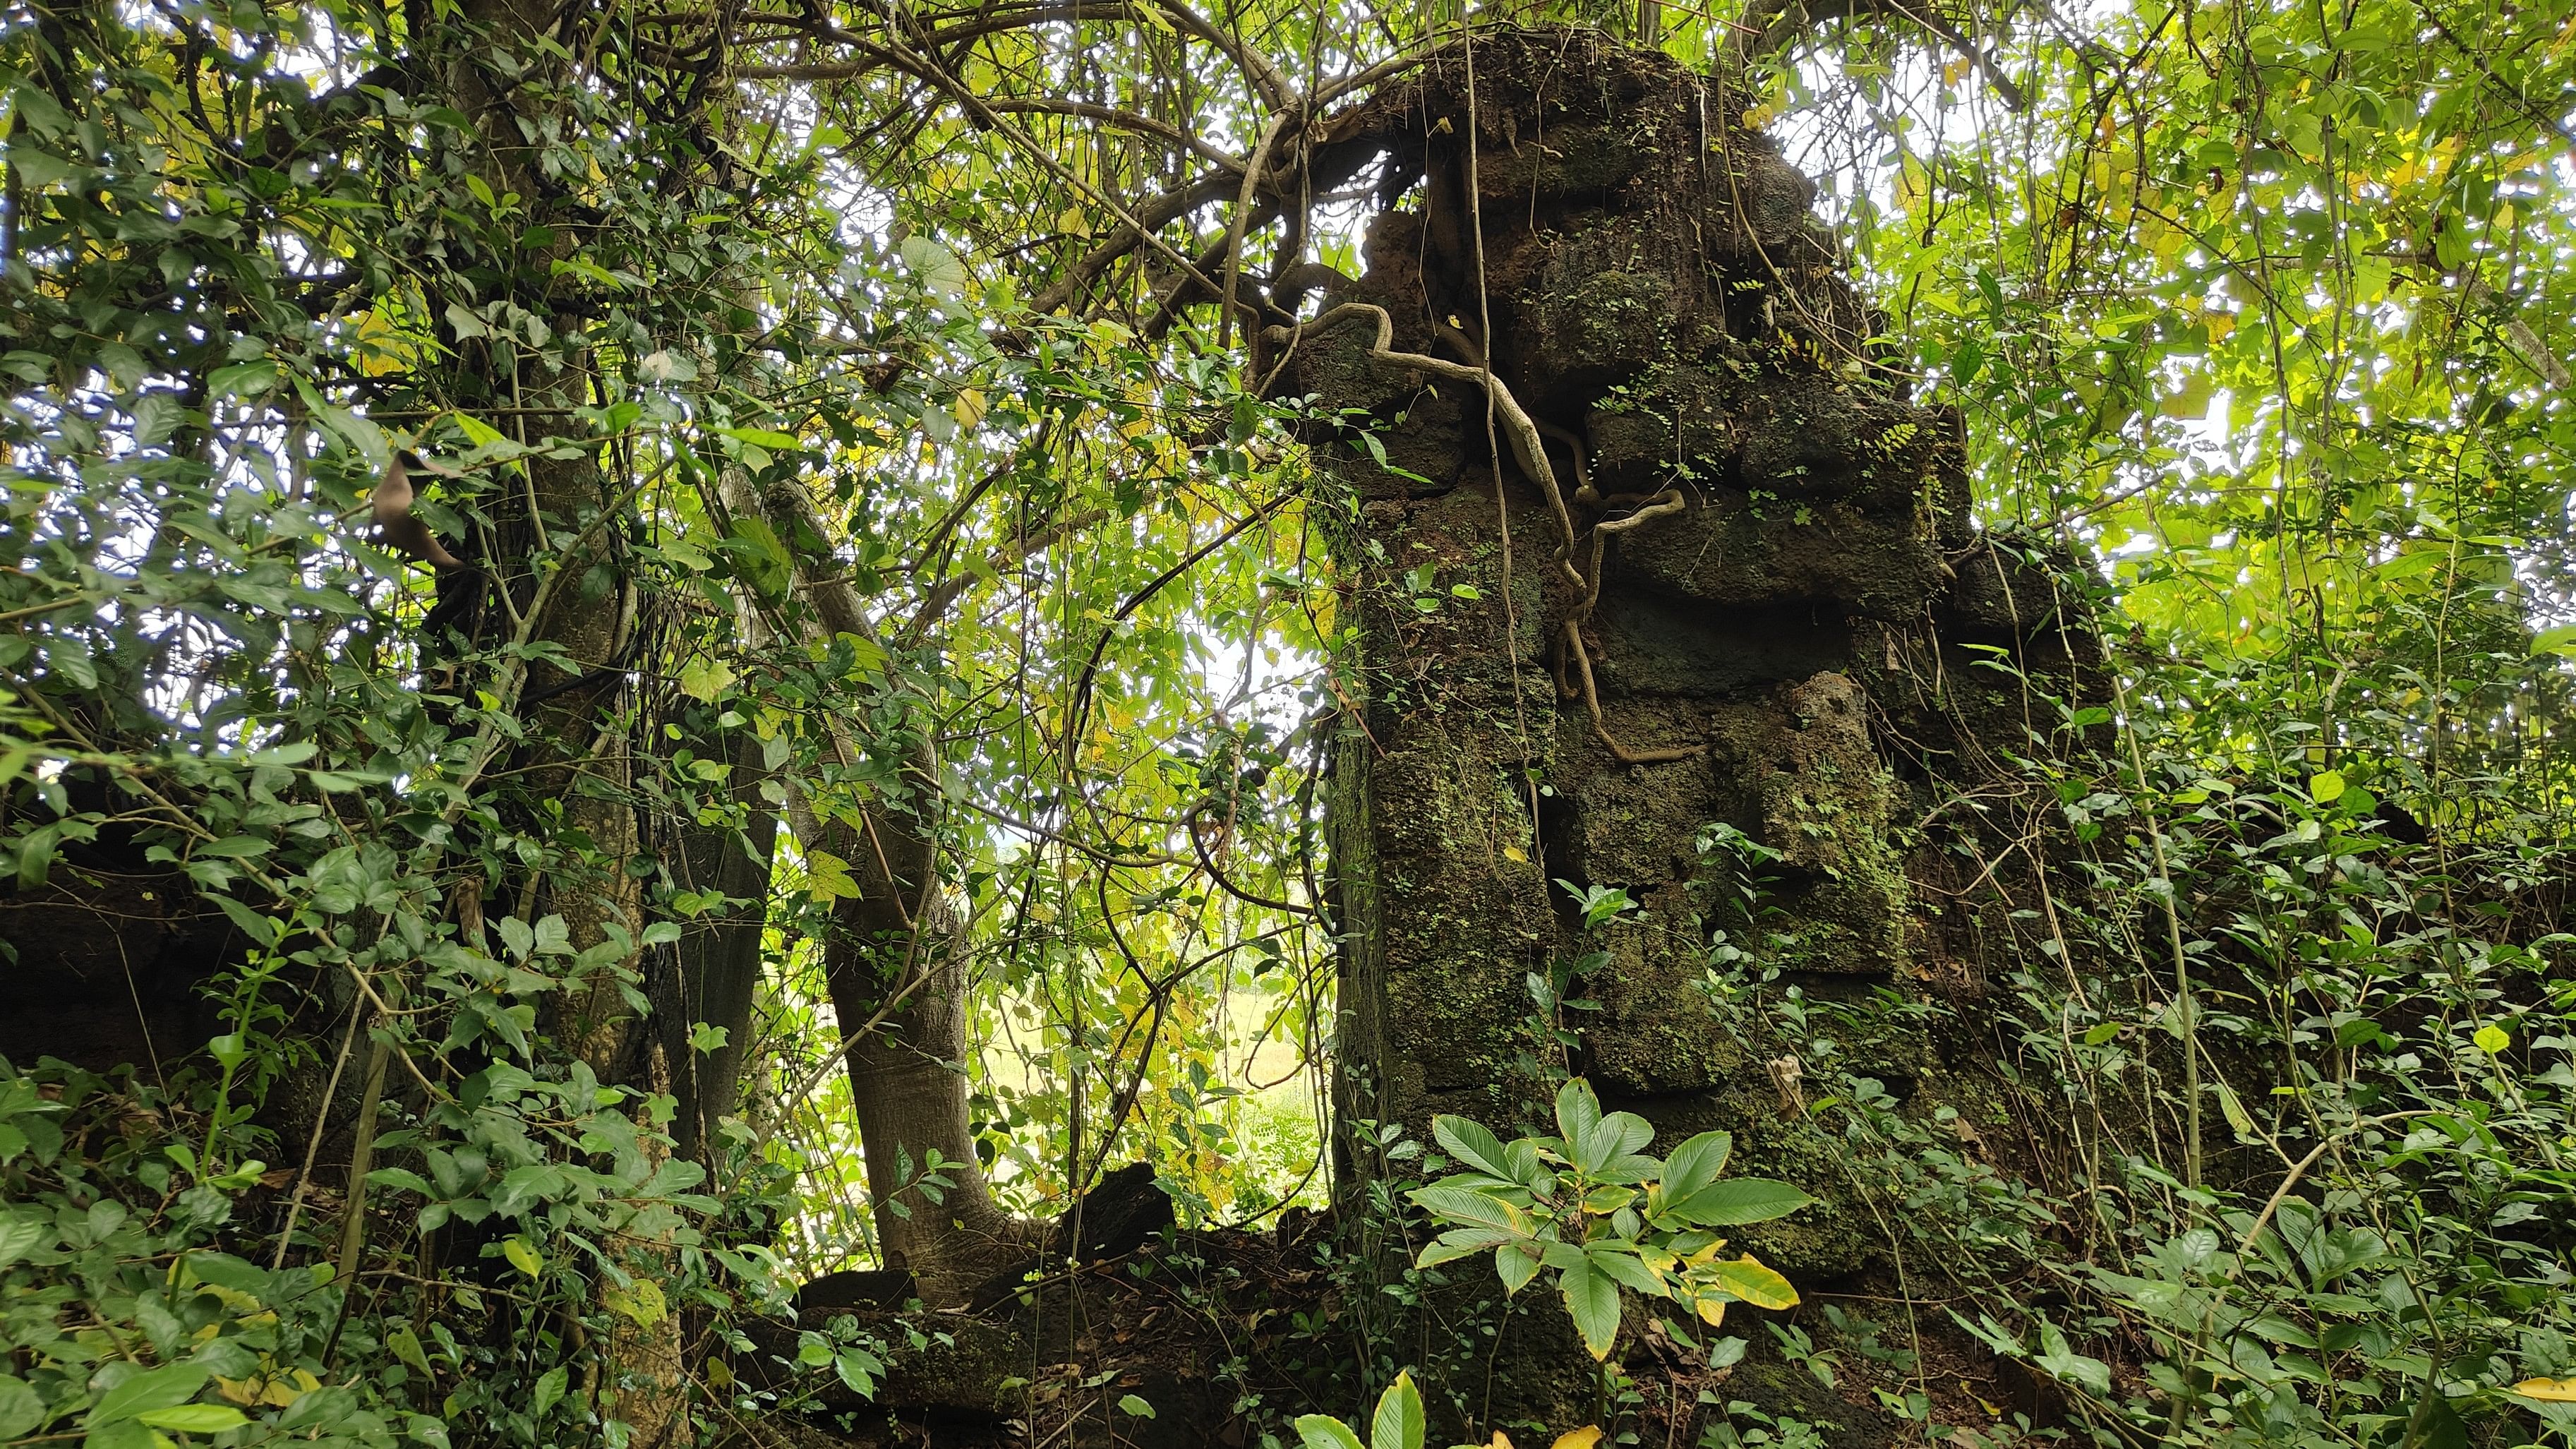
x=899 y=991
x=1727 y=579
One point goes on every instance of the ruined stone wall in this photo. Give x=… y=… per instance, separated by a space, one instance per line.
x=1800 y=630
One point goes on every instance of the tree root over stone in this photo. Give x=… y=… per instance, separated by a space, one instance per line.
x=1529 y=450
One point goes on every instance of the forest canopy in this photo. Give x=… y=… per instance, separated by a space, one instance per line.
x=720 y=723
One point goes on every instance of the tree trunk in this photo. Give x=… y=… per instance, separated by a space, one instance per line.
x=563 y=556
x=898 y=990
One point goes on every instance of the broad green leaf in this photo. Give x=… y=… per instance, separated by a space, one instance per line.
x=406 y=1345
x=195 y=1418
x=1399 y=1420
x=2063 y=1363
x=1627 y=1269
x=21 y=1409
x=1695 y=1164
x=1458 y=1205
x=1736 y=1201
x=1577 y=1112
x=1593 y=1299
x=1322 y=1431
x=160 y=1388
x=1471 y=1143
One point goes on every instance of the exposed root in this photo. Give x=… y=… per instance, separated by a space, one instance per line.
x=1529 y=449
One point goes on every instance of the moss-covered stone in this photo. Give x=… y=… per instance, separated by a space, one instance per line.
x=1667 y=309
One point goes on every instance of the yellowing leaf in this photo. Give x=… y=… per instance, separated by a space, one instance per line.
x=1754 y=1283
x=2547 y=1391
x=2492 y=1039
x=522 y=1257
x=2233 y=1109
x=704 y=679
x=1583 y=1438
x=643 y=1302
x=1514 y=852
x=2326 y=786
x=827 y=877
x=969 y=409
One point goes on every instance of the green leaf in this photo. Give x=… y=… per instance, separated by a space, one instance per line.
x=1132 y=1405
x=1577 y=1111
x=522 y=1257
x=704 y=679
x=259 y=928
x=195 y=1418
x=161 y=1388
x=1737 y=1201
x=860 y=1370
x=1695 y=1164
x=1608 y=1140
x=1463 y=1205
x=762 y=437
x=242 y=379
x=1399 y=1421
x=1627 y=1269
x=1323 y=1431
x=1462 y=1243
x=1593 y=1299
x=2325 y=787
x=2068 y=1366
x=1516 y=1265
x=760 y=559
x=1471 y=1143
x=21 y=1234
x=21 y=1411
x=406 y=1346
x=550 y=1388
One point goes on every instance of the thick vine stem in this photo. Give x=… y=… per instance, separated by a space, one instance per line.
x=1530 y=451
